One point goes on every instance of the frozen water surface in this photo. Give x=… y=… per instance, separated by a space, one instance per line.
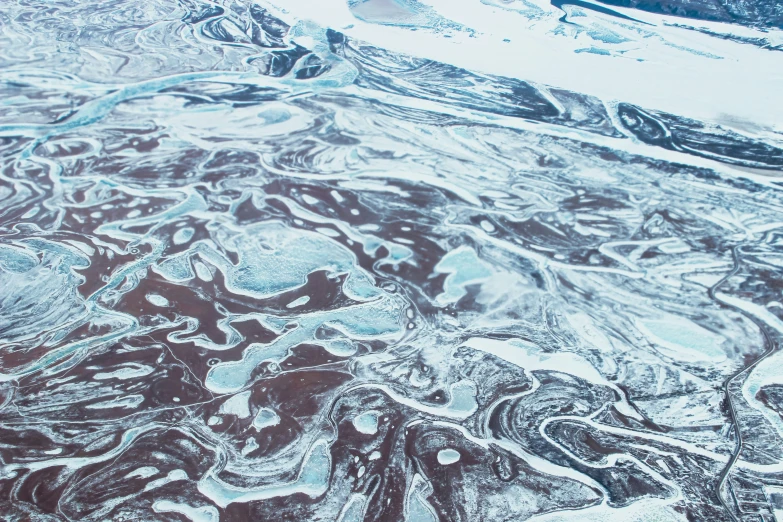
x=391 y=260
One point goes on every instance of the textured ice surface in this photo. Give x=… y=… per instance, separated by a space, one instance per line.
x=391 y=260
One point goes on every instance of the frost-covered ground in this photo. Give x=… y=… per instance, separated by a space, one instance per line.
x=389 y=260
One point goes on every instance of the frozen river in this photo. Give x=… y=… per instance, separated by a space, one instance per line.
x=391 y=260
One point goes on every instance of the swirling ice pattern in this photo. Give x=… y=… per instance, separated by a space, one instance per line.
x=288 y=262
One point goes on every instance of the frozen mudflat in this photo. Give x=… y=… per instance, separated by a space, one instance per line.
x=391 y=260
